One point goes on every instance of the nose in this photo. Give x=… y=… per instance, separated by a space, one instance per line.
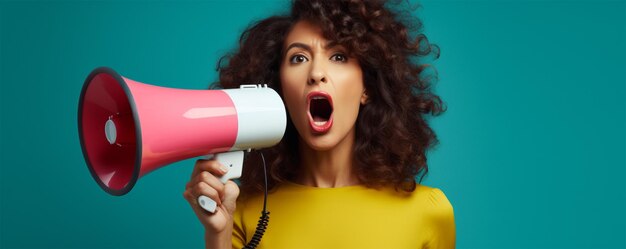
x=317 y=74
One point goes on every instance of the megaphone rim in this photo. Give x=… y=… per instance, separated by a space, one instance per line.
x=138 y=153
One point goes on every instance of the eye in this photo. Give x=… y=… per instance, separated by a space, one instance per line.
x=339 y=58
x=296 y=59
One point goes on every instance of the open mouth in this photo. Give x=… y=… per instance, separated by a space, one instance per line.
x=320 y=111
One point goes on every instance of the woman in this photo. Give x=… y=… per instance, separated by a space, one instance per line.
x=344 y=174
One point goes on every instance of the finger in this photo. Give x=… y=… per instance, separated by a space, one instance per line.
x=193 y=202
x=231 y=192
x=203 y=188
x=188 y=196
x=209 y=179
x=213 y=166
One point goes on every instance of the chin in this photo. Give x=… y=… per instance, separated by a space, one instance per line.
x=321 y=143
x=326 y=141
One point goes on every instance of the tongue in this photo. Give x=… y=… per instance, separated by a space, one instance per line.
x=319 y=119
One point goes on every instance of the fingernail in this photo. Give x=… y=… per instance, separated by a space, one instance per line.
x=223 y=169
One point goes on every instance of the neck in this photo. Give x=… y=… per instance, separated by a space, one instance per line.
x=329 y=168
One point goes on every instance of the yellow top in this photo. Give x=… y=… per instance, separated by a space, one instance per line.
x=348 y=217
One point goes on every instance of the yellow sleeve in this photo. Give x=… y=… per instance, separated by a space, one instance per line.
x=441 y=218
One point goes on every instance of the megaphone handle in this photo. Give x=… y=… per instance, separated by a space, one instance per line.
x=233 y=160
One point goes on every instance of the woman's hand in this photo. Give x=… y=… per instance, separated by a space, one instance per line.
x=205 y=181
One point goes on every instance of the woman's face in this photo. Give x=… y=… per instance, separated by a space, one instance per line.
x=322 y=87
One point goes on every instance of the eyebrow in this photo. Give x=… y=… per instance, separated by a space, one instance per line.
x=307 y=47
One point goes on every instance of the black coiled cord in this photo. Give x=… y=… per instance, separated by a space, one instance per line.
x=265 y=215
x=260 y=229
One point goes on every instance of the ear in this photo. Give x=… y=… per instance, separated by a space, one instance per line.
x=364 y=97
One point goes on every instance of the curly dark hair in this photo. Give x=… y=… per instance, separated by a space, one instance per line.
x=392 y=132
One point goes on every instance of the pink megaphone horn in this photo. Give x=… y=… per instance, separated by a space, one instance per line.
x=128 y=128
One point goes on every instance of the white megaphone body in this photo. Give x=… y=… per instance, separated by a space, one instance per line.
x=128 y=129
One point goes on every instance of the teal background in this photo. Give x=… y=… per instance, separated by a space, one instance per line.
x=532 y=151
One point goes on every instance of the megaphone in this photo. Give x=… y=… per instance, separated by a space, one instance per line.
x=128 y=129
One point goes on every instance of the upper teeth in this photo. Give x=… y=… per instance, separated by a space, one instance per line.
x=319 y=97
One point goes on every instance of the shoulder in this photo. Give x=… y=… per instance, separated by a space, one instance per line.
x=433 y=200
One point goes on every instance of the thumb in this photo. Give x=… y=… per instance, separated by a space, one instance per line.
x=231 y=192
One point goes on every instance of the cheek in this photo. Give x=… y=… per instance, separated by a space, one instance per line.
x=291 y=88
x=350 y=102
x=350 y=89
x=349 y=83
x=291 y=77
